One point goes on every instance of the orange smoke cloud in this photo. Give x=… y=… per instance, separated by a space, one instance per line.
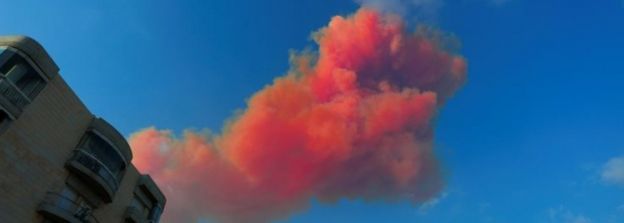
x=353 y=121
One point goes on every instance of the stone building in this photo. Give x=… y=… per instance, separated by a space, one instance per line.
x=59 y=162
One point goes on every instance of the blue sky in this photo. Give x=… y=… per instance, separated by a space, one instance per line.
x=526 y=139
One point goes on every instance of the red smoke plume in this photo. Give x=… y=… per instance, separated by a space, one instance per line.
x=353 y=121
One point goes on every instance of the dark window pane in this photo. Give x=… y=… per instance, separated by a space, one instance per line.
x=4 y=117
x=21 y=73
x=104 y=152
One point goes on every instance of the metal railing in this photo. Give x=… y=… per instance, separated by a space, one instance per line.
x=97 y=167
x=9 y=91
x=68 y=206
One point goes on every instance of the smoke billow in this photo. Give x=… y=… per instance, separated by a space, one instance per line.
x=353 y=120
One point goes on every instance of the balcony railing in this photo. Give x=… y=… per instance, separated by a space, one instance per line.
x=9 y=91
x=93 y=170
x=57 y=207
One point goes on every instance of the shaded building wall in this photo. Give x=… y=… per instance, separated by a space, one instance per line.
x=115 y=212
x=35 y=147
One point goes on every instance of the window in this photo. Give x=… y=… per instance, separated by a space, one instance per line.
x=20 y=83
x=148 y=202
x=104 y=152
x=21 y=73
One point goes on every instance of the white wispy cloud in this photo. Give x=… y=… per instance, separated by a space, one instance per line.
x=563 y=215
x=425 y=207
x=613 y=171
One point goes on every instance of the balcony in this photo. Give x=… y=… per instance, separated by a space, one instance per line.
x=21 y=80
x=58 y=208
x=95 y=173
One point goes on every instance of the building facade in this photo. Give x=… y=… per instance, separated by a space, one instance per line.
x=58 y=161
